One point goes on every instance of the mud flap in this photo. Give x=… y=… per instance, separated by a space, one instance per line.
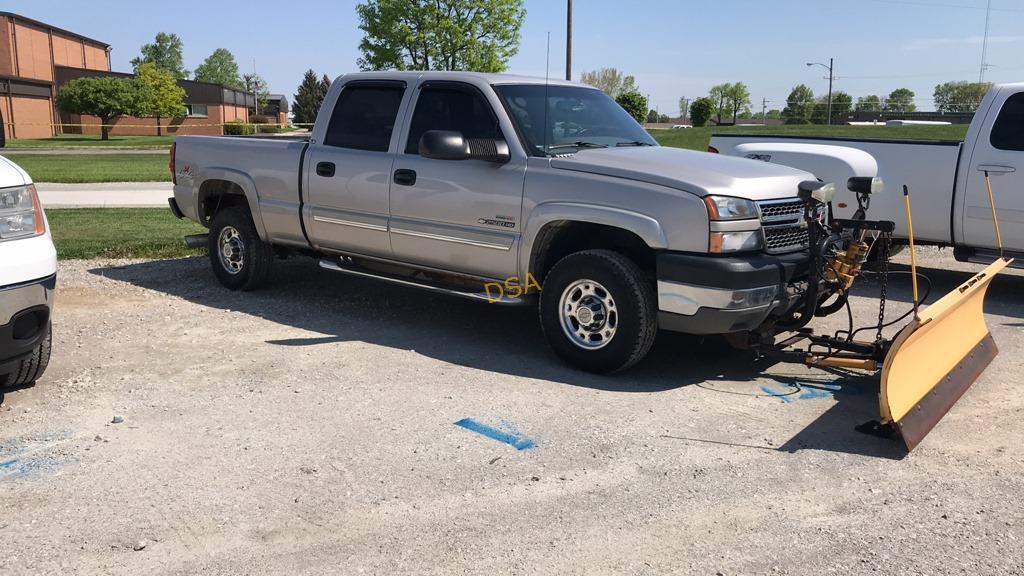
x=936 y=358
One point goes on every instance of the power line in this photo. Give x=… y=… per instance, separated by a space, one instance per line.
x=944 y=5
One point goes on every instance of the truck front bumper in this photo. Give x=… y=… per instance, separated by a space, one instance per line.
x=24 y=318
x=703 y=294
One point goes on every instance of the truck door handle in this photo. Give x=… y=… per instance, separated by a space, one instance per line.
x=405 y=177
x=996 y=168
x=325 y=169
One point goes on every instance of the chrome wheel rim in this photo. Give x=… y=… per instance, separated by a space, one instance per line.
x=231 y=250
x=588 y=314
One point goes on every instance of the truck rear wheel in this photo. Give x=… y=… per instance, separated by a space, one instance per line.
x=240 y=260
x=31 y=368
x=598 y=311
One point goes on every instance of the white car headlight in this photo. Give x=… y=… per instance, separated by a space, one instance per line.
x=20 y=213
x=729 y=208
x=721 y=242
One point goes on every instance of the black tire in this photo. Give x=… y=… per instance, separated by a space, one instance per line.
x=31 y=369
x=246 y=264
x=633 y=302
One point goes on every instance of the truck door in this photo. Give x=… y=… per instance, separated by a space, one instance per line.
x=349 y=170
x=462 y=216
x=1000 y=151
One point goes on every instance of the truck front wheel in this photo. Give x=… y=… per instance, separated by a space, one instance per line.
x=598 y=311
x=240 y=260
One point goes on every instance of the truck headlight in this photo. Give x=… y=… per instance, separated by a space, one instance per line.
x=20 y=213
x=721 y=242
x=729 y=208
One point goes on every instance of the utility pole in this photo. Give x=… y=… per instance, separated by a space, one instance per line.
x=984 y=44
x=831 y=78
x=568 y=41
x=686 y=108
x=764 y=111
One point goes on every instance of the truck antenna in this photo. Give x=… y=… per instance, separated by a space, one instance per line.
x=547 y=79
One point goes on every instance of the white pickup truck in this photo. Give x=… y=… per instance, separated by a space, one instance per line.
x=28 y=277
x=946 y=179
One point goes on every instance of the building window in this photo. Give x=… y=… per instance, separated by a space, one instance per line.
x=197 y=111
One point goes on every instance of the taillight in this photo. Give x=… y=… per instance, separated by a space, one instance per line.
x=170 y=164
x=711 y=149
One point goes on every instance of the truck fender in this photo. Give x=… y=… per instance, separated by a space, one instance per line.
x=648 y=229
x=830 y=163
x=243 y=181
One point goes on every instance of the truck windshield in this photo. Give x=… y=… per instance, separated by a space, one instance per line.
x=555 y=119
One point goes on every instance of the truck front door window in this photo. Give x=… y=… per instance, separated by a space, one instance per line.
x=451 y=109
x=1008 y=131
x=364 y=118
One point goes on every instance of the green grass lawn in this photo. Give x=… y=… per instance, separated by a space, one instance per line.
x=698 y=138
x=80 y=141
x=88 y=233
x=78 y=168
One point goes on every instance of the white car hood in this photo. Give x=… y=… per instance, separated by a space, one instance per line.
x=11 y=174
x=699 y=173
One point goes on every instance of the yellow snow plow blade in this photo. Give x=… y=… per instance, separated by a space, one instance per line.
x=936 y=358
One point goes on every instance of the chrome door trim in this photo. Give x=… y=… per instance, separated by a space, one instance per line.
x=351 y=223
x=451 y=239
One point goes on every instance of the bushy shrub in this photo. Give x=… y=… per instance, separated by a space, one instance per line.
x=238 y=128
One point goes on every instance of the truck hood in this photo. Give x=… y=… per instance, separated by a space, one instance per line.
x=11 y=174
x=699 y=173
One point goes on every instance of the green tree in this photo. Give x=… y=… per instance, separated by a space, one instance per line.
x=799 y=105
x=652 y=116
x=720 y=96
x=870 y=103
x=701 y=111
x=664 y=119
x=219 y=68
x=611 y=80
x=307 y=100
x=105 y=97
x=842 y=103
x=157 y=94
x=255 y=84
x=635 y=103
x=478 y=35
x=165 y=52
x=900 y=100
x=737 y=98
x=960 y=96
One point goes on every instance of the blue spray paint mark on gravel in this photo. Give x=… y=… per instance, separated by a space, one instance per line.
x=803 y=391
x=8 y=463
x=513 y=439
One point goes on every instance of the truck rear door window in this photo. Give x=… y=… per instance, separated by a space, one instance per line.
x=364 y=117
x=447 y=108
x=1008 y=131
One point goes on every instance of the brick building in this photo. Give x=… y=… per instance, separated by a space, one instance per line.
x=37 y=58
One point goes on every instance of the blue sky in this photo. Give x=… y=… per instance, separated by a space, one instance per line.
x=674 y=48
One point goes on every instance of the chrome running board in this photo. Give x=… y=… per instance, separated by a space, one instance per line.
x=354 y=270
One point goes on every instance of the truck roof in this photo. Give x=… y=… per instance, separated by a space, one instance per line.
x=471 y=77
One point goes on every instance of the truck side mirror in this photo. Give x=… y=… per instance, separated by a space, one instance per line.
x=451 y=145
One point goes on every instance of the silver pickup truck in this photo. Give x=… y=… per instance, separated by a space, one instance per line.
x=510 y=190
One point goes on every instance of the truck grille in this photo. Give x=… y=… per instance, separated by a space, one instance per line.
x=782 y=222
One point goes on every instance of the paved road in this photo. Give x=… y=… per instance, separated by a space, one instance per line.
x=105 y=195
x=309 y=428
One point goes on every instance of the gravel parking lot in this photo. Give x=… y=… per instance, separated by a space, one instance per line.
x=309 y=428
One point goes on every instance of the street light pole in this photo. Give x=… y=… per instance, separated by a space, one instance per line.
x=831 y=78
x=568 y=42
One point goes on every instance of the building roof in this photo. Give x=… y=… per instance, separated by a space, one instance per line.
x=52 y=27
x=195 y=92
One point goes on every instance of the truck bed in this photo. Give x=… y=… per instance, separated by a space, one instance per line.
x=927 y=167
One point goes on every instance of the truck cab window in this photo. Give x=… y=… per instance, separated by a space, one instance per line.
x=364 y=117
x=443 y=108
x=1008 y=131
